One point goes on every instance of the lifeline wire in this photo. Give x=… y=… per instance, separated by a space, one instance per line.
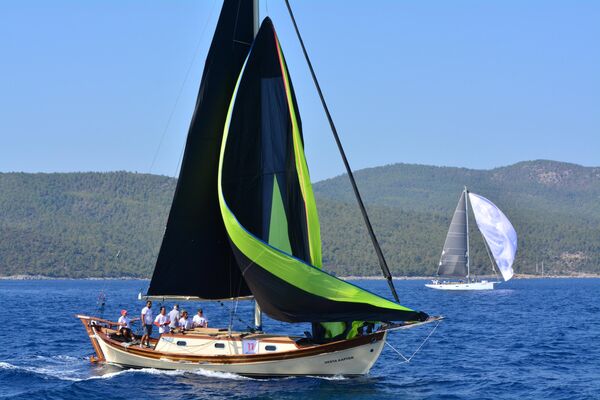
x=407 y=360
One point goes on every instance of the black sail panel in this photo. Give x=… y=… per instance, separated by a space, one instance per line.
x=195 y=258
x=284 y=301
x=260 y=174
x=268 y=206
x=453 y=261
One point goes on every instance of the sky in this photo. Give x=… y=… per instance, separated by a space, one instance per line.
x=101 y=85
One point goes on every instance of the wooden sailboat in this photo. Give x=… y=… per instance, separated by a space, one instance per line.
x=500 y=240
x=244 y=224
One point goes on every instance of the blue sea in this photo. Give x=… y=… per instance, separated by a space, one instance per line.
x=529 y=339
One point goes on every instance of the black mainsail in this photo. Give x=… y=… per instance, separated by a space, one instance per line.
x=195 y=258
x=455 y=254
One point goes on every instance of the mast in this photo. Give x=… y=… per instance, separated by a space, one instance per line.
x=255 y=16
x=467 y=219
x=256 y=20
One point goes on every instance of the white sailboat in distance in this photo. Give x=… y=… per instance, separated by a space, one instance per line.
x=500 y=240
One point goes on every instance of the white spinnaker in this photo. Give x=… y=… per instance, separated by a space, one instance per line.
x=497 y=231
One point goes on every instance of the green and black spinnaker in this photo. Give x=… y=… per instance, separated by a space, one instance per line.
x=195 y=258
x=268 y=206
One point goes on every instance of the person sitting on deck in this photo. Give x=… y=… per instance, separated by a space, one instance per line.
x=185 y=324
x=147 y=320
x=162 y=321
x=124 y=323
x=174 y=317
x=199 y=320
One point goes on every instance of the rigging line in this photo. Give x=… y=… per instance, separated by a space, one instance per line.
x=178 y=165
x=380 y=257
x=185 y=79
x=487 y=249
x=240 y=320
x=407 y=360
x=397 y=352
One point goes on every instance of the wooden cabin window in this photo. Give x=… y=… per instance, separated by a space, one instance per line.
x=181 y=343
x=270 y=347
x=220 y=345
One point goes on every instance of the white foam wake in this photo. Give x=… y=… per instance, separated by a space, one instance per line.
x=58 y=373
x=331 y=378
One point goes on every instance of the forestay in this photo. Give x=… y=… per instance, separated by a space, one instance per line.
x=497 y=231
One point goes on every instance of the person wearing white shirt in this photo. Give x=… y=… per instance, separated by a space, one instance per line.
x=185 y=323
x=147 y=320
x=162 y=321
x=174 y=317
x=124 y=323
x=199 y=320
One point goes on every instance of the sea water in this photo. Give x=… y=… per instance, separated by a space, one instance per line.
x=528 y=339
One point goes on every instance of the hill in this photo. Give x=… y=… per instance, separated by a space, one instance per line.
x=75 y=224
x=554 y=206
x=110 y=224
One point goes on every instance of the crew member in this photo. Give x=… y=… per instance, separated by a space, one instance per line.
x=174 y=317
x=162 y=321
x=185 y=323
x=125 y=325
x=199 y=320
x=147 y=320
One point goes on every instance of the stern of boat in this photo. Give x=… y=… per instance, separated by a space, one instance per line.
x=90 y=327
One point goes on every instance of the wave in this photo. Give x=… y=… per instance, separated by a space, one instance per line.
x=330 y=378
x=58 y=372
x=44 y=372
x=154 y=371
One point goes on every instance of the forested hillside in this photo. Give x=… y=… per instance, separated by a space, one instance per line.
x=82 y=224
x=111 y=224
x=555 y=208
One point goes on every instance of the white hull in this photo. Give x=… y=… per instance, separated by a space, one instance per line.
x=219 y=351
x=353 y=361
x=461 y=286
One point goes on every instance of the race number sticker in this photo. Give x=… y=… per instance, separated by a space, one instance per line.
x=250 y=346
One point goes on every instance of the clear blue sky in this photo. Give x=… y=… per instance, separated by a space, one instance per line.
x=91 y=85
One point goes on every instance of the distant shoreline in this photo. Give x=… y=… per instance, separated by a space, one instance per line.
x=346 y=278
x=516 y=276
x=64 y=278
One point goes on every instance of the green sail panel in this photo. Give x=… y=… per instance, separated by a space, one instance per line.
x=263 y=144
x=278 y=227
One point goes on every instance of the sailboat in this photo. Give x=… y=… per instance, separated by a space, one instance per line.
x=244 y=225
x=499 y=237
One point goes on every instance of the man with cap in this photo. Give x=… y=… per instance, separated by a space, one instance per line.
x=124 y=323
